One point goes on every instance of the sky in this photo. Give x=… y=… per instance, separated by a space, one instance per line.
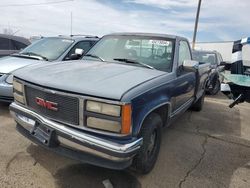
x=220 y=20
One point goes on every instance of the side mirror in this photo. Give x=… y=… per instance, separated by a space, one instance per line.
x=77 y=55
x=74 y=57
x=190 y=64
x=79 y=51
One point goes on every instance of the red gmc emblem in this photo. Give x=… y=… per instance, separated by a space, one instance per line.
x=46 y=104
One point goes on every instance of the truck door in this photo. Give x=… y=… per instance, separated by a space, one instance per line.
x=186 y=79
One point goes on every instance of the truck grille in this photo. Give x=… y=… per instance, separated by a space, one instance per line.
x=68 y=107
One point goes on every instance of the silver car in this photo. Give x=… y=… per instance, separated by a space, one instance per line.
x=48 y=49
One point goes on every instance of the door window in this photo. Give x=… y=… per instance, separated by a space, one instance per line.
x=184 y=52
x=220 y=59
x=85 y=45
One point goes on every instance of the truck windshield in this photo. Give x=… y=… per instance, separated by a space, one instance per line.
x=205 y=57
x=48 y=48
x=147 y=52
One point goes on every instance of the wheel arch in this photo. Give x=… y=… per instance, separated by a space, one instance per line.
x=163 y=109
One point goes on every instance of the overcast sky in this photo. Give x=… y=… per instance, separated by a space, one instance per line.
x=219 y=19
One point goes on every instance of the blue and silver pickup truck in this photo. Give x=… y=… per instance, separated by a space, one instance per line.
x=109 y=108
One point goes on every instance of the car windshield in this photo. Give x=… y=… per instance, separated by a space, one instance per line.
x=147 y=52
x=48 y=48
x=205 y=57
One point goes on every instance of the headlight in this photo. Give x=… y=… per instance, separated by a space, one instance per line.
x=19 y=98
x=108 y=117
x=9 y=79
x=18 y=86
x=18 y=91
x=103 y=108
x=104 y=124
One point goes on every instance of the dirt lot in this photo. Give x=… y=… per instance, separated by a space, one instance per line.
x=205 y=149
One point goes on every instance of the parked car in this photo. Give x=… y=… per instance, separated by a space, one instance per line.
x=214 y=58
x=109 y=108
x=10 y=44
x=50 y=49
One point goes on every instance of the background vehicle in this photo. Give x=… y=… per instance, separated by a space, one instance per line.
x=237 y=86
x=48 y=49
x=10 y=44
x=214 y=58
x=109 y=109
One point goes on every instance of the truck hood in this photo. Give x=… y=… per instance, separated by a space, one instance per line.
x=9 y=64
x=100 y=79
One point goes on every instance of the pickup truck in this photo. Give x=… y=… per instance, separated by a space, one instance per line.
x=109 y=108
x=215 y=60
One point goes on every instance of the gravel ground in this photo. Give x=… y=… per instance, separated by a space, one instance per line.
x=210 y=148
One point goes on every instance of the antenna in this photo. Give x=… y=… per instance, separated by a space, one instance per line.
x=71 y=15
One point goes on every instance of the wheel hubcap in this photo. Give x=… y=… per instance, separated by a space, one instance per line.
x=152 y=143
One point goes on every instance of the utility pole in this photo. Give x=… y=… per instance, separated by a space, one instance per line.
x=71 y=22
x=196 y=24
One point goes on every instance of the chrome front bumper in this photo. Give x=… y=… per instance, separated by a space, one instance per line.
x=78 y=140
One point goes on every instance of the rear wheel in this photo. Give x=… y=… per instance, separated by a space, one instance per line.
x=214 y=88
x=145 y=160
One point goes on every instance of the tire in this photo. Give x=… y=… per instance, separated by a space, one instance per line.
x=215 y=88
x=151 y=130
x=198 y=105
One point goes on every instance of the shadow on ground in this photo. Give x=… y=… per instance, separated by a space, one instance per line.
x=216 y=118
x=68 y=174
x=4 y=109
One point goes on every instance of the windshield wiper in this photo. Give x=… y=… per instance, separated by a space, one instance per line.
x=25 y=56
x=94 y=56
x=134 y=62
x=35 y=54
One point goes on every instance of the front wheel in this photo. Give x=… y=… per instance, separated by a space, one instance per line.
x=145 y=160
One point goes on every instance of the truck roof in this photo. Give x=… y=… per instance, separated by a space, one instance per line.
x=206 y=51
x=145 y=34
x=79 y=37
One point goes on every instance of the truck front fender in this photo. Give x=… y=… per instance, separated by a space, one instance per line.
x=159 y=104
